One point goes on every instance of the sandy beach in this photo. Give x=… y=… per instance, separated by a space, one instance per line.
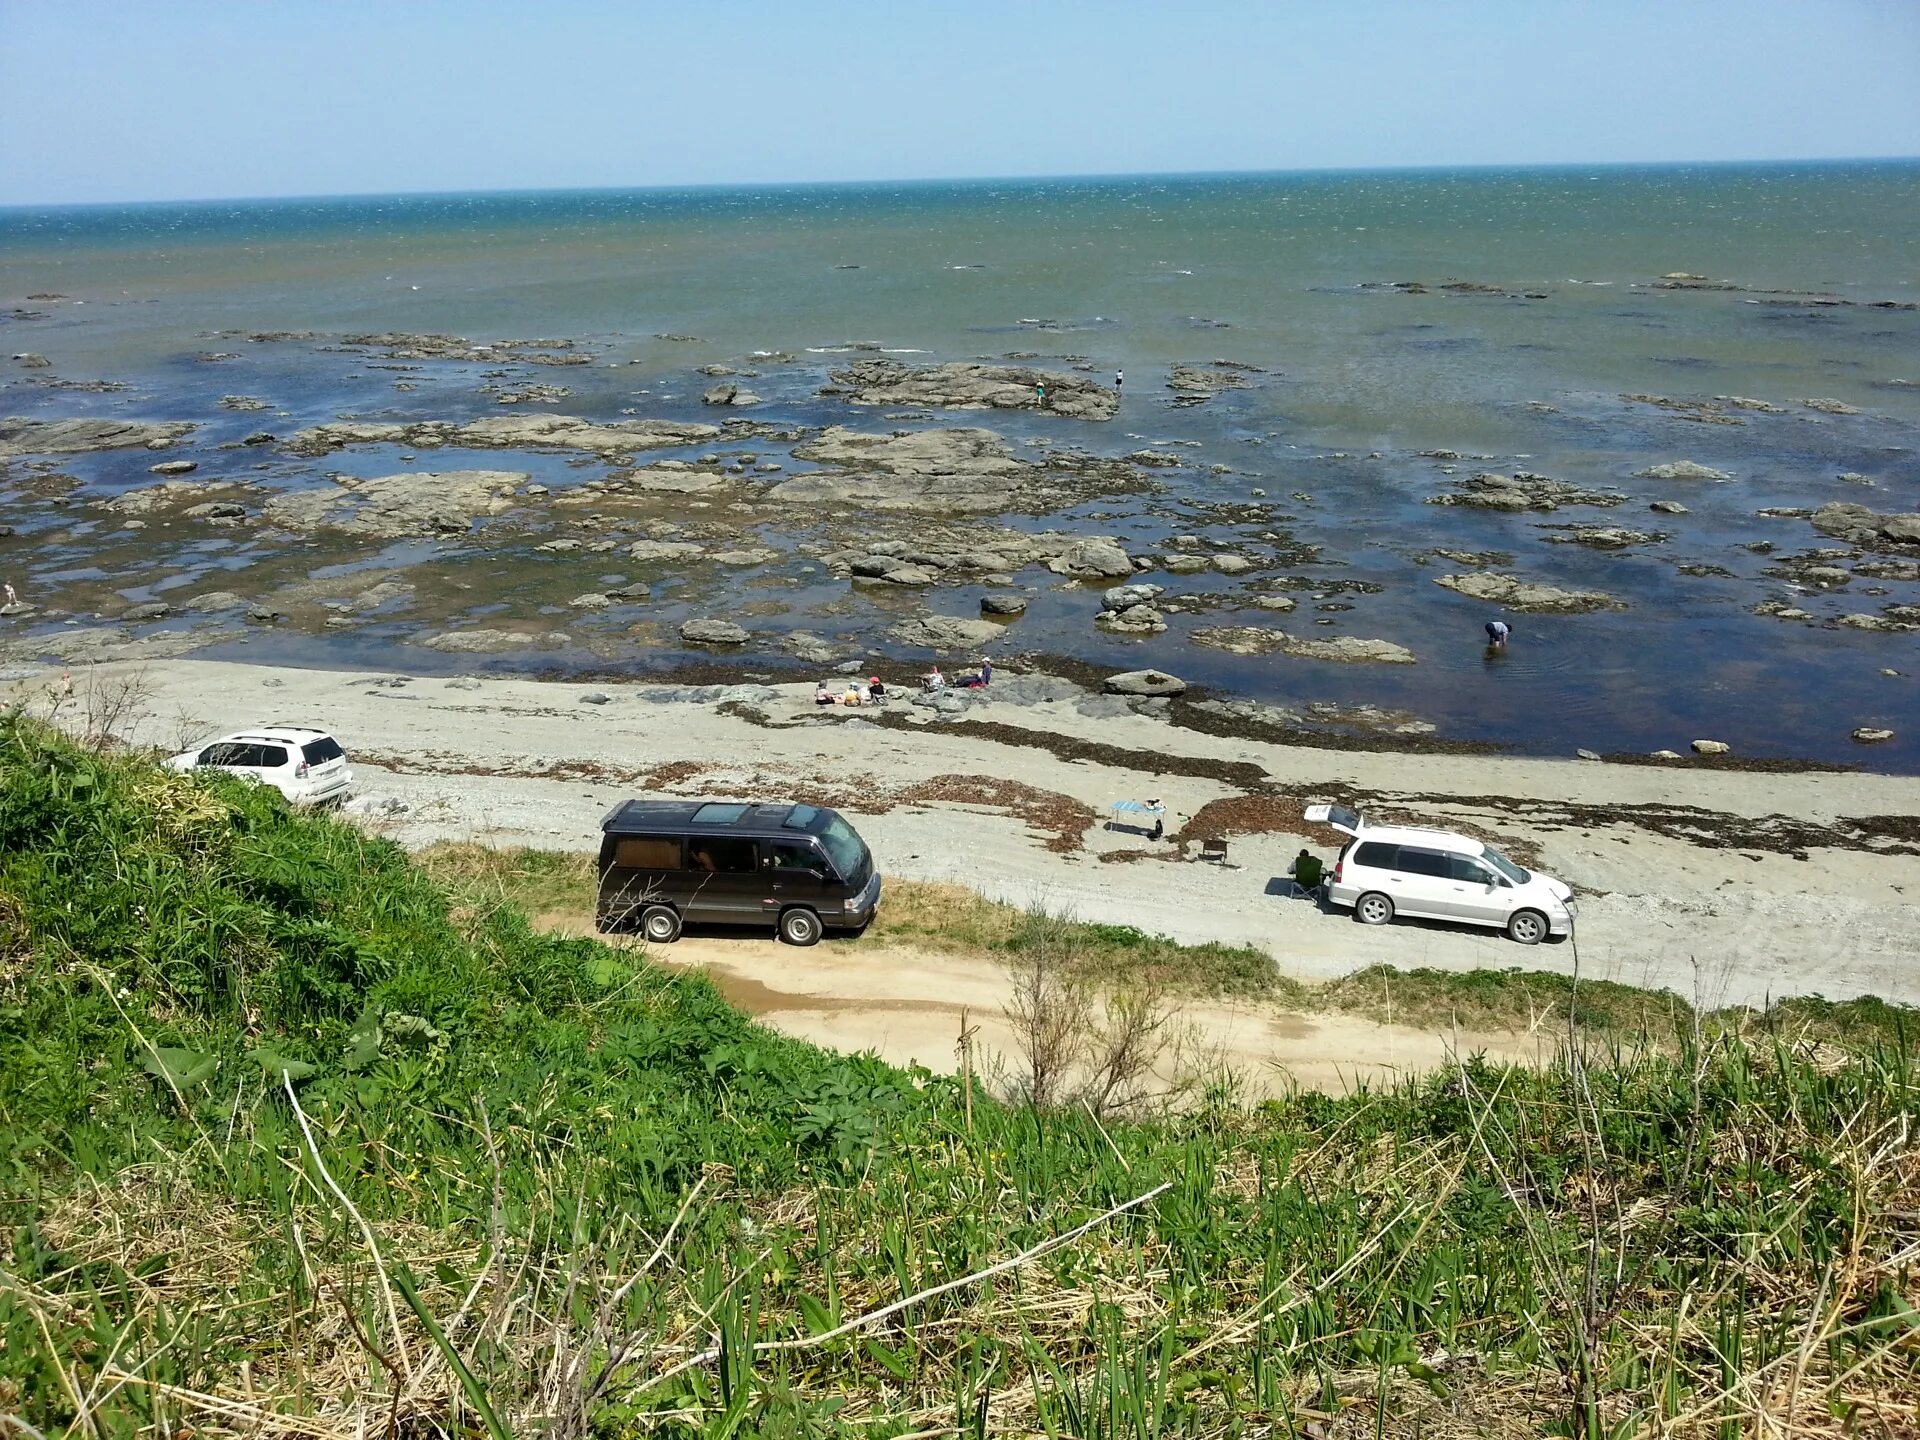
x=1726 y=886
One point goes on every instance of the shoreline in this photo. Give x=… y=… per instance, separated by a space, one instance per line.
x=1725 y=886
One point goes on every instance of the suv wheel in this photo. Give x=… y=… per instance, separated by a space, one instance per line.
x=799 y=926
x=660 y=924
x=1529 y=927
x=1373 y=908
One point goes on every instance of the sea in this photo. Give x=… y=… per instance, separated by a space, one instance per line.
x=1400 y=331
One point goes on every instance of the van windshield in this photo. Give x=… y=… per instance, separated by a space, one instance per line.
x=844 y=846
x=1505 y=866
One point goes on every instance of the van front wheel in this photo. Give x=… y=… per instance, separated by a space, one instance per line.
x=660 y=924
x=1373 y=908
x=1529 y=927
x=799 y=927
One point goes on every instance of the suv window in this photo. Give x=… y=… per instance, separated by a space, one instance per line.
x=722 y=854
x=647 y=852
x=224 y=753
x=1415 y=861
x=318 y=752
x=1377 y=855
x=1468 y=870
x=270 y=757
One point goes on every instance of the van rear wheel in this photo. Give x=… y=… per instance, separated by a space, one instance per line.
x=660 y=924
x=799 y=926
x=1528 y=927
x=1373 y=908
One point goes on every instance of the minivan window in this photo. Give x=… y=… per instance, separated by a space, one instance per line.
x=721 y=854
x=1469 y=871
x=318 y=752
x=786 y=855
x=1505 y=866
x=844 y=847
x=1377 y=855
x=647 y=852
x=1415 y=861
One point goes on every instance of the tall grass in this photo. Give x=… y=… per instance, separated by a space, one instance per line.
x=292 y=1144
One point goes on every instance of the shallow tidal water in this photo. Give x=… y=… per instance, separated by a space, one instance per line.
x=1532 y=369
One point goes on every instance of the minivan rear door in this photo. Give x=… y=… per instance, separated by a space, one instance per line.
x=1338 y=816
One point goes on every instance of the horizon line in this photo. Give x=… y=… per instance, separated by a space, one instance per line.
x=930 y=180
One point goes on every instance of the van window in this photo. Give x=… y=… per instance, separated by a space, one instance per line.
x=318 y=752
x=1415 y=861
x=647 y=852
x=1377 y=855
x=1518 y=874
x=785 y=855
x=721 y=854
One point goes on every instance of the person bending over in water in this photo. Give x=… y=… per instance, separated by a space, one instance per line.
x=1497 y=633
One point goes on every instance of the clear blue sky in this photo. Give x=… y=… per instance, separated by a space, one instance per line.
x=105 y=100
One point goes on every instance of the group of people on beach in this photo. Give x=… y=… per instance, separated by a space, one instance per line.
x=873 y=691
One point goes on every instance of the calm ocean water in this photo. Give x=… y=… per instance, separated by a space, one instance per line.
x=1287 y=273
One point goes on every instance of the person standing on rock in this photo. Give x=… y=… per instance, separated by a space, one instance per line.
x=1040 y=394
x=1497 y=633
x=1119 y=379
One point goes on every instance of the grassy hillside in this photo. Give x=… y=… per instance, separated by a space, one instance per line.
x=293 y=1143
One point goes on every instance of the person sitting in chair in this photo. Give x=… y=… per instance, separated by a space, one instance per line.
x=1307 y=870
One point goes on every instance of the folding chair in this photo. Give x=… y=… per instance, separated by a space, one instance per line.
x=1306 y=878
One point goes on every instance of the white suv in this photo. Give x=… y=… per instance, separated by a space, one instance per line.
x=306 y=766
x=1389 y=870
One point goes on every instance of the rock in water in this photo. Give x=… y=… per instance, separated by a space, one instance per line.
x=1258 y=640
x=1003 y=604
x=1094 y=559
x=1712 y=747
x=77 y=437
x=713 y=632
x=1872 y=735
x=728 y=392
x=967 y=386
x=945 y=633
x=1145 y=682
x=1681 y=470
x=173 y=467
x=1513 y=593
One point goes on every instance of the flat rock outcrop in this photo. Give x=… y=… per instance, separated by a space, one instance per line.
x=1197 y=384
x=612 y=439
x=1521 y=490
x=1513 y=593
x=946 y=633
x=1861 y=526
x=940 y=470
x=79 y=437
x=1260 y=640
x=1681 y=470
x=397 y=345
x=965 y=385
x=392 y=506
x=1148 y=683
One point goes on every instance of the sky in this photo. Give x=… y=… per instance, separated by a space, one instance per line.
x=122 y=100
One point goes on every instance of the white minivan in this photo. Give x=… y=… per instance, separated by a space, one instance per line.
x=1389 y=870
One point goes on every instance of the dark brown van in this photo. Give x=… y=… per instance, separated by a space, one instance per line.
x=800 y=868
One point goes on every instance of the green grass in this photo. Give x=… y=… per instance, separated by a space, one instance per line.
x=604 y=1203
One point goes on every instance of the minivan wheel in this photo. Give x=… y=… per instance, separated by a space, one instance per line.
x=1373 y=908
x=660 y=924
x=799 y=927
x=1529 y=927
